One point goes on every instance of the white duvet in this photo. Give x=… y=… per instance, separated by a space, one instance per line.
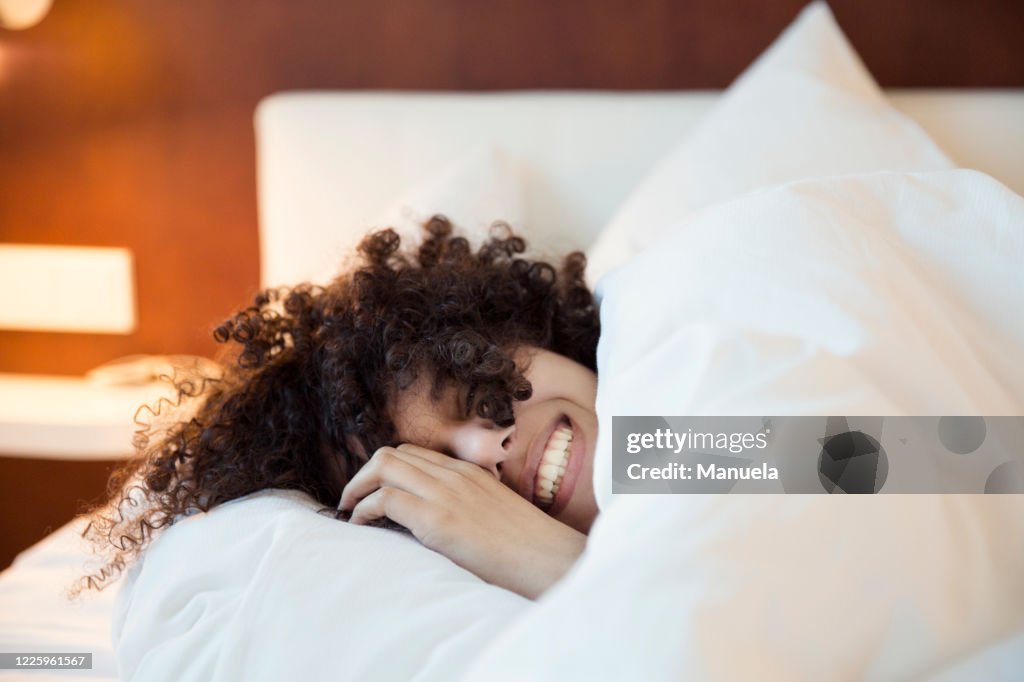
x=887 y=293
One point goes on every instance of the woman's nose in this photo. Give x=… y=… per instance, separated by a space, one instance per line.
x=487 y=446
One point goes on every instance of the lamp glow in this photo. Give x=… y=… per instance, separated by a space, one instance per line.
x=21 y=14
x=67 y=289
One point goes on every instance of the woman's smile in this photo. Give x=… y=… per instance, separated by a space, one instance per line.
x=547 y=462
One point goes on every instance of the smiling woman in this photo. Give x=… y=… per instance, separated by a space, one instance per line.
x=449 y=390
x=445 y=481
x=546 y=455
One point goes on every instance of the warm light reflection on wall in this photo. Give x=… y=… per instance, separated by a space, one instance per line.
x=10 y=55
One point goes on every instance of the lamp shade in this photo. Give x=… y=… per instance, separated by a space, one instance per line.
x=67 y=289
x=18 y=14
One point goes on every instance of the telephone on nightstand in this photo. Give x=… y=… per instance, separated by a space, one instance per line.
x=139 y=370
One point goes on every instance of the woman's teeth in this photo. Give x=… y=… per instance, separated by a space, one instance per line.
x=552 y=466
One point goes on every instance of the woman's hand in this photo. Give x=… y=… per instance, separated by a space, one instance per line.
x=462 y=511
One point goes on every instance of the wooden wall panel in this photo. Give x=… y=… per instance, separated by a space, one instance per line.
x=39 y=496
x=129 y=122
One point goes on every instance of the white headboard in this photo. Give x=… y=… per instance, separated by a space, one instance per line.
x=333 y=161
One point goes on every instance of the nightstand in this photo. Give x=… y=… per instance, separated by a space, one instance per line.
x=59 y=439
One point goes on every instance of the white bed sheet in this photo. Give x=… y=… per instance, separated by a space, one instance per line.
x=36 y=615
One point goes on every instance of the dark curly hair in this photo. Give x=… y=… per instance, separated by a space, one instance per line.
x=309 y=373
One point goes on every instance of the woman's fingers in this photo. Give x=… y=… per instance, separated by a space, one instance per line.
x=458 y=509
x=445 y=462
x=411 y=467
x=387 y=467
x=433 y=456
x=398 y=505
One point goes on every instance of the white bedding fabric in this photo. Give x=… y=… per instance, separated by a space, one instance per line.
x=36 y=615
x=266 y=588
x=840 y=296
x=886 y=293
x=806 y=108
x=331 y=162
x=875 y=294
x=472 y=191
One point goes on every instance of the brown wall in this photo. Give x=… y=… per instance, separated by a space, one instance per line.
x=128 y=123
x=38 y=496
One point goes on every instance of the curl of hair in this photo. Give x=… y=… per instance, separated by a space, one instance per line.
x=310 y=373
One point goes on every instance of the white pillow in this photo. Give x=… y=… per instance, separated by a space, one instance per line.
x=806 y=108
x=473 y=191
x=265 y=588
x=872 y=294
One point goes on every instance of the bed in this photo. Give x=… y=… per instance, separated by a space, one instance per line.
x=332 y=163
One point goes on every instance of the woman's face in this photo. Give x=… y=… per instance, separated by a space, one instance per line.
x=547 y=456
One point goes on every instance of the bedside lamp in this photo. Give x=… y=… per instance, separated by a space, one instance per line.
x=19 y=14
x=67 y=289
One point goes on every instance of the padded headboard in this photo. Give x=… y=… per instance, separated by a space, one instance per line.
x=331 y=162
